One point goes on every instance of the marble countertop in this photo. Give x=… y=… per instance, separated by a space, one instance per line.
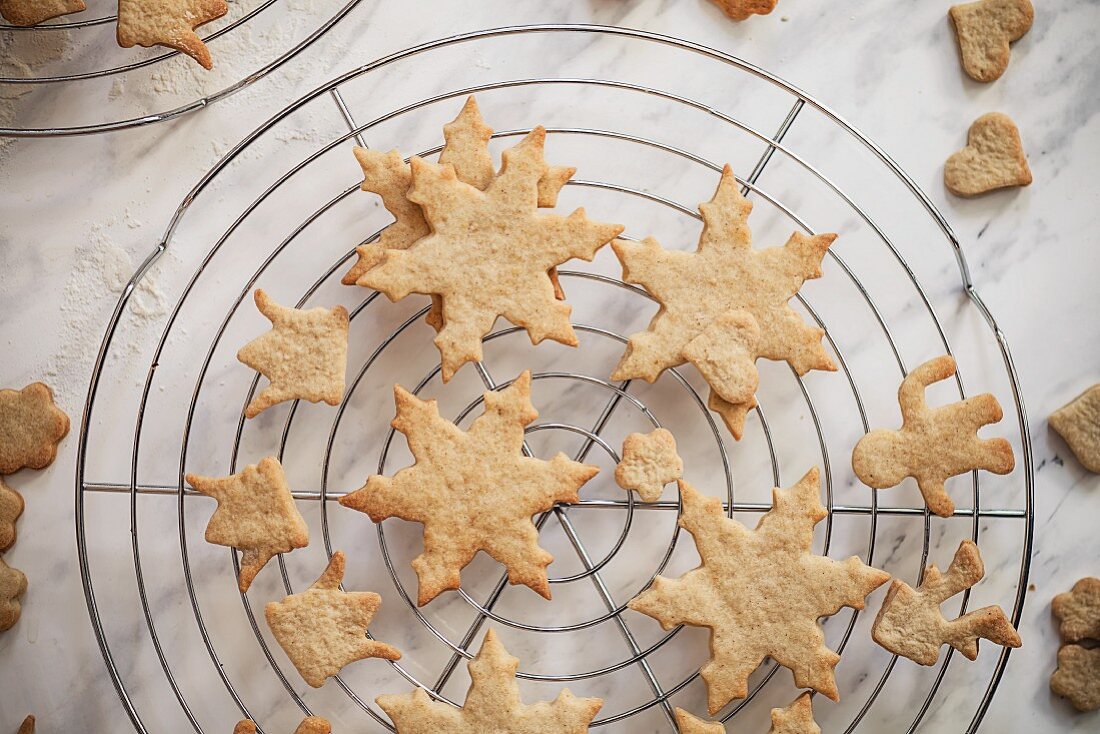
x=80 y=214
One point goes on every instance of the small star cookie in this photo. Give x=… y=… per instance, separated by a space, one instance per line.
x=706 y=295
x=649 y=463
x=761 y=592
x=169 y=23
x=797 y=718
x=309 y=725
x=1077 y=678
x=13 y=584
x=688 y=724
x=933 y=444
x=474 y=490
x=1079 y=611
x=492 y=705
x=31 y=426
x=11 y=507
x=32 y=12
x=910 y=623
x=1078 y=423
x=322 y=629
x=256 y=515
x=489 y=253
x=304 y=355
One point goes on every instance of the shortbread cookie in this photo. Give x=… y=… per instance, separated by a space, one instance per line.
x=169 y=23
x=31 y=426
x=725 y=355
x=33 y=12
x=761 y=592
x=309 y=725
x=322 y=629
x=467 y=151
x=1078 y=422
x=489 y=253
x=992 y=159
x=797 y=718
x=688 y=724
x=910 y=623
x=11 y=507
x=724 y=274
x=1079 y=611
x=933 y=443
x=304 y=355
x=256 y=515
x=742 y=9
x=13 y=584
x=1077 y=678
x=985 y=29
x=473 y=491
x=27 y=727
x=492 y=703
x=649 y=462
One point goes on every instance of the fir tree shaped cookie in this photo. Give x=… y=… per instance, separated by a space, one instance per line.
x=761 y=592
x=322 y=629
x=489 y=253
x=493 y=704
x=304 y=355
x=933 y=444
x=474 y=490
x=910 y=623
x=721 y=282
x=256 y=515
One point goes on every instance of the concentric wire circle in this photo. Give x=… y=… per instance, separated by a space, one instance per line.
x=65 y=83
x=642 y=656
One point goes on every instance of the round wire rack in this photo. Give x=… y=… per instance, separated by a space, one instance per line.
x=285 y=213
x=53 y=70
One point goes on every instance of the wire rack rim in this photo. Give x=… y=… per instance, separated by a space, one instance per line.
x=331 y=86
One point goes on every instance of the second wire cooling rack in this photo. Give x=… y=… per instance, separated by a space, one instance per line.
x=283 y=212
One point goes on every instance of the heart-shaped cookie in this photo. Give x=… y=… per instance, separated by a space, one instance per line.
x=992 y=159
x=985 y=29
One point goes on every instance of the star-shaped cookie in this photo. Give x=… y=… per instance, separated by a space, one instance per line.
x=322 y=629
x=761 y=592
x=473 y=491
x=467 y=150
x=910 y=622
x=304 y=355
x=256 y=515
x=1079 y=611
x=723 y=276
x=489 y=253
x=493 y=704
x=1077 y=678
x=797 y=718
x=649 y=462
x=31 y=426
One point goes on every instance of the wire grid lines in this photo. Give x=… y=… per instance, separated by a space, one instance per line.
x=611 y=545
x=85 y=65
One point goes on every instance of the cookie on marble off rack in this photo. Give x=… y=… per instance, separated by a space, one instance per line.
x=493 y=703
x=169 y=23
x=933 y=444
x=910 y=623
x=1078 y=423
x=32 y=12
x=743 y=9
x=11 y=507
x=466 y=149
x=724 y=305
x=13 y=585
x=473 y=490
x=796 y=718
x=31 y=427
x=489 y=253
x=27 y=727
x=323 y=628
x=256 y=515
x=985 y=29
x=992 y=159
x=1078 y=611
x=760 y=592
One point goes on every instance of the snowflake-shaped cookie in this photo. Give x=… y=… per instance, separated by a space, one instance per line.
x=473 y=491
x=761 y=592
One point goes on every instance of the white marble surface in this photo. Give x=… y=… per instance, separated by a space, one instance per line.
x=79 y=212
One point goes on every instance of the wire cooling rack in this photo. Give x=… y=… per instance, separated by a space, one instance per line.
x=284 y=212
x=89 y=62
